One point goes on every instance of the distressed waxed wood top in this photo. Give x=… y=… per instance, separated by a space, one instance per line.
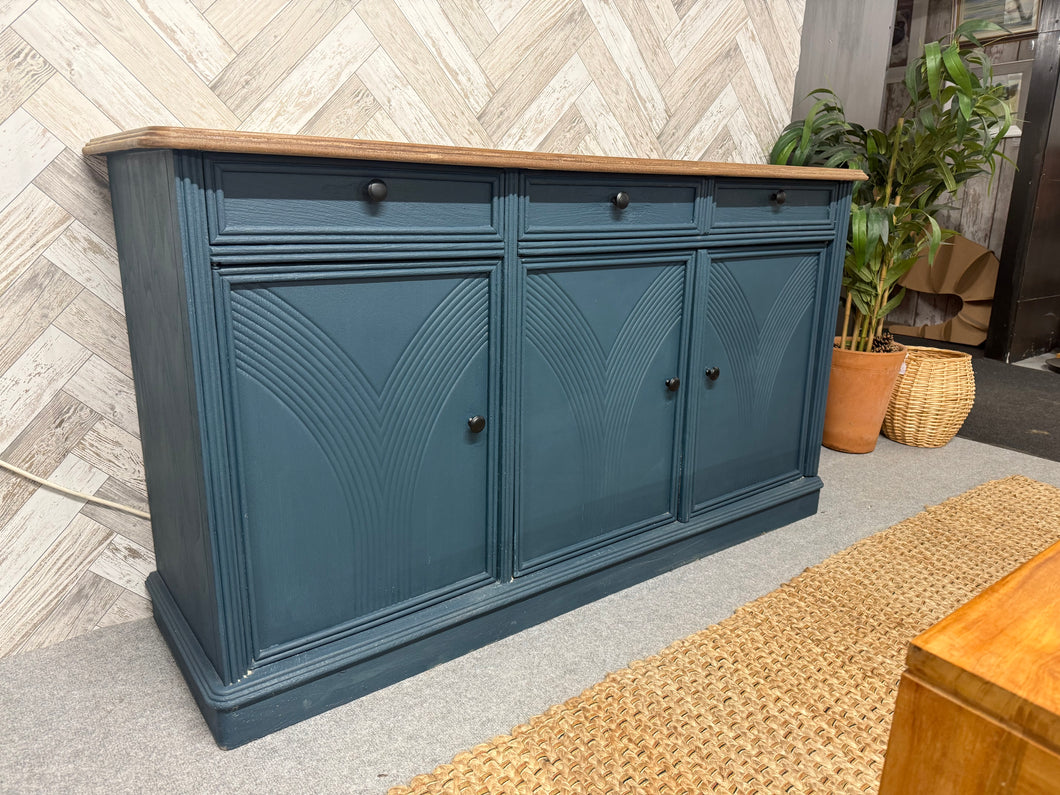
x=316 y=146
x=1000 y=652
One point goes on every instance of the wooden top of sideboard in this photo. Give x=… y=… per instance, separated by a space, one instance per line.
x=1000 y=652
x=316 y=146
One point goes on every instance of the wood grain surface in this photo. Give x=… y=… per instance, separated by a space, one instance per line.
x=978 y=708
x=1001 y=651
x=943 y=746
x=314 y=146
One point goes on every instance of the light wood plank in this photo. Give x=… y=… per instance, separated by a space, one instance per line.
x=780 y=41
x=683 y=7
x=470 y=23
x=501 y=13
x=125 y=563
x=11 y=9
x=34 y=379
x=540 y=117
x=26 y=149
x=762 y=75
x=422 y=72
x=23 y=72
x=72 y=183
x=529 y=77
x=128 y=36
x=132 y=527
x=42 y=590
x=786 y=20
x=721 y=148
x=67 y=113
x=35 y=299
x=748 y=147
x=399 y=100
x=99 y=328
x=346 y=111
x=295 y=100
x=590 y=147
x=664 y=15
x=41 y=447
x=127 y=607
x=188 y=32
x=446 y=47
x=619 y=96
x=605 y=128
x=77 y=55
x=107 y=392
x=651 y=44
x=40 y=522
x=709 y=126
x=28 y=225
x=685 y=84
x=87 y=602
x=274 y=143
x=382 y=128
x=239 y=22
x=115 y=452
x=701 y=19
x=763 y=124
x=90 y=260
x=689 y=112
x=567 y=134
x=525 y=36
x=269 y=56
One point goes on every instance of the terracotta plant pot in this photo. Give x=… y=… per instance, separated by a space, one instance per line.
x=859 y=389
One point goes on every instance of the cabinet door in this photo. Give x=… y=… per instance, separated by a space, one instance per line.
x=597 y=421
x=750 y=368
x=364 y=490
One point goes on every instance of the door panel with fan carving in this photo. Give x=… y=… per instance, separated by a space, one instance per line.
x=361 y=414
x=599 y=402
x=749 y=373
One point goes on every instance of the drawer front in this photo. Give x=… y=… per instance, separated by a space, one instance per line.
x=740 y=204
x=275 y=200
x=571 y=206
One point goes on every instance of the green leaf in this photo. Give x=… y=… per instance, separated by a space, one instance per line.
x=934 y=238
x=956 y=69
x=892 y=304
x=933 y=67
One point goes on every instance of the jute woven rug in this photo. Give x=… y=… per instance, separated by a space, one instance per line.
x=794 y=692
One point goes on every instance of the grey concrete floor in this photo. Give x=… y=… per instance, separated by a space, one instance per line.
x=108 y=712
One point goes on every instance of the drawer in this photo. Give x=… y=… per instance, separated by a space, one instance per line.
x=271 y=200
x=571 y=206
x=740 y=204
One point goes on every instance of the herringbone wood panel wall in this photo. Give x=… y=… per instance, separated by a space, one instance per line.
x=694 y=79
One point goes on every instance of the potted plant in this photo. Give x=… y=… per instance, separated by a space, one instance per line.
x=948 y=133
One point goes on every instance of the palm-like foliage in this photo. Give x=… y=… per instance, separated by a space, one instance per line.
x=947 y=134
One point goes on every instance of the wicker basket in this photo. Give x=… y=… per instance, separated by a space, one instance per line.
x=931 y=398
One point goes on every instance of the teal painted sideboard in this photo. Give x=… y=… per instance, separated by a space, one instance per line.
x=399 y=401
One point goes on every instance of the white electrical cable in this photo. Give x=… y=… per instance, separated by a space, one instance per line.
x=72 y=493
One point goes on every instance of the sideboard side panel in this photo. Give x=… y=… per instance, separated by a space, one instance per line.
x=147 y=222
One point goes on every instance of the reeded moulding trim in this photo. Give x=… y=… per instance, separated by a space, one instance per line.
x=317 y=146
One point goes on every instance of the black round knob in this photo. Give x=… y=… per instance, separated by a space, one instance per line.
x=713 y=373
x=620 y=200
x=779 y=197
x=673 y=383
x=376 y=190
x=476 y=423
